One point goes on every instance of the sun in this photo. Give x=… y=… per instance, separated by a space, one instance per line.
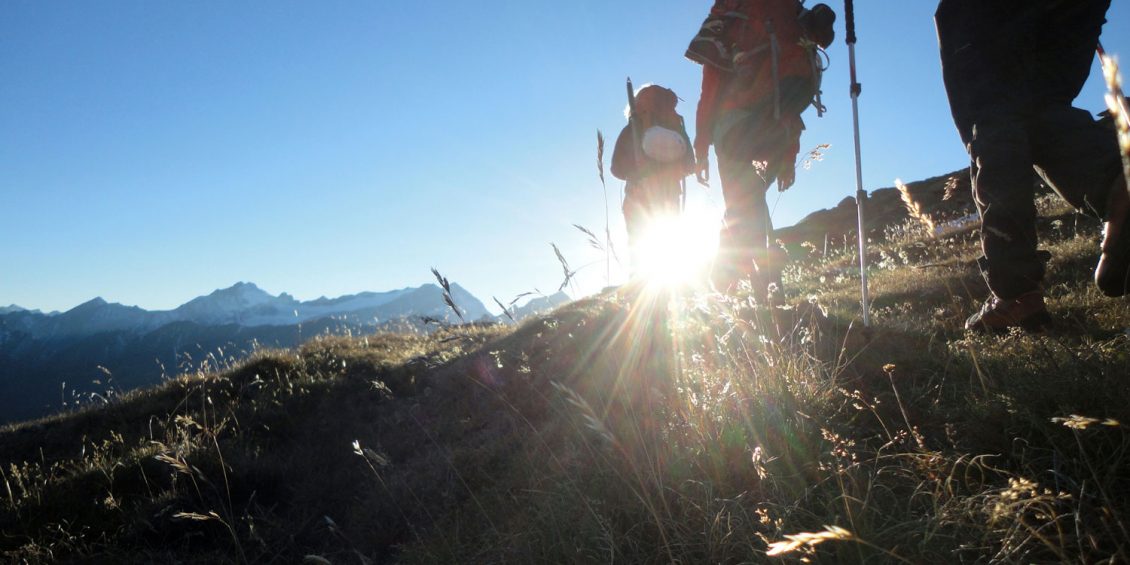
x=676 y=250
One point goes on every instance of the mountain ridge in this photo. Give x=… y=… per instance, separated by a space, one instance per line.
x=47 y=361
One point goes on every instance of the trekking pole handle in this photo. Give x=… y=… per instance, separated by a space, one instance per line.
x=849 y=20
x=631 y=99
x=634 y=123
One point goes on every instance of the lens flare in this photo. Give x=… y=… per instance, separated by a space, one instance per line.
x=676 y=250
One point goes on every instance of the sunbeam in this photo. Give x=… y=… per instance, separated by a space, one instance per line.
x=676 y=250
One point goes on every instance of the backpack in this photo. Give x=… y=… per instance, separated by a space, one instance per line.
x=774 y=46
x=662 y=146
x=771 y=53
x=662 y=135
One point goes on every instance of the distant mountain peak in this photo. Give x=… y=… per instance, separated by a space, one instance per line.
x=227 y=305
x=95 y=302
x=241 y=288
x=244 y=293
x=11 y=308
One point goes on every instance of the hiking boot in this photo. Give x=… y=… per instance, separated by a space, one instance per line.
x=1026 y=311
x=1112 y=274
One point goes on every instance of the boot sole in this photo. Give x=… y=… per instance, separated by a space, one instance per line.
x=1036 y=323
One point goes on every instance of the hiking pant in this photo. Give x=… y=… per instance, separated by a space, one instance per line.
x=743 y=241
x=1012 y=70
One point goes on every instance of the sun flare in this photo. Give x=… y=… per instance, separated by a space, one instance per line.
x=676 y=250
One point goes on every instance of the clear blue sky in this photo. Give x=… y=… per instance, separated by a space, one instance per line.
x=151 y=152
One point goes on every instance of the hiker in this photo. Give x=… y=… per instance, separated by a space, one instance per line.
x=761 y=68
x=1011 y=70
x=653 y=156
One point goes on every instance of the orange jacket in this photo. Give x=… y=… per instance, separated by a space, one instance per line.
x=712 y=104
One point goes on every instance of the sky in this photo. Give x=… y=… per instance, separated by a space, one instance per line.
x=153 y=151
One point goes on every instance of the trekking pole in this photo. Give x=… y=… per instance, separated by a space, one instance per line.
x=637 y=135
x=633 y=121
x=860 y=194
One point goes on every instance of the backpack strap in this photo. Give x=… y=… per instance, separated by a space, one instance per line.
x=817 y=58
x=775 y=60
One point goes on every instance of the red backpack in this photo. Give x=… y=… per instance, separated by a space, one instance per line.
x=770 y=53
x=772 y=46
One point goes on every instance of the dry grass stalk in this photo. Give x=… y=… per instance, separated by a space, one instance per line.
x=592 y=421
x=951 y=188
x=447 y=294
x=569 y=274
x=610 y=249
x=197 y=517
x=8 y=486
x=914 y=208
x=794 y=542
x=593 y=241
x=1077 y=422
x=814 y=155
x=1116 y=102
x=600 y=157
x=505 y=310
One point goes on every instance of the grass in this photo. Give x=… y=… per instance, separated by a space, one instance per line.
x=628 y=428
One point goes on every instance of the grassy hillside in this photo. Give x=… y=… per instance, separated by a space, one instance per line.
x=631 y=428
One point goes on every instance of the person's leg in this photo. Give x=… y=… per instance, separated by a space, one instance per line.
x=1112 y=274
x=1003 y=188
x=1076 y=156
x=991 y=55
x=1079 y=159
x=635 y=215
x=744 y=236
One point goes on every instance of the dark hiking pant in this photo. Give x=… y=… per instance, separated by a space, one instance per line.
x=743 y=241
x=1012 y=70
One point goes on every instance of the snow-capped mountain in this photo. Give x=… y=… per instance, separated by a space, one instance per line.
x=44 y=354
x=245 y=304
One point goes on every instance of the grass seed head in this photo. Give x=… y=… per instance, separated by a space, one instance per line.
x=806 y=540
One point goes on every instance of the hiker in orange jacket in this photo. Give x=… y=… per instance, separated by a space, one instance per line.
x=653 y=155
x=743 y=248
x=760 y=71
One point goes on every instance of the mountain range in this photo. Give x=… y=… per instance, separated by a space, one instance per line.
x=51 y=361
